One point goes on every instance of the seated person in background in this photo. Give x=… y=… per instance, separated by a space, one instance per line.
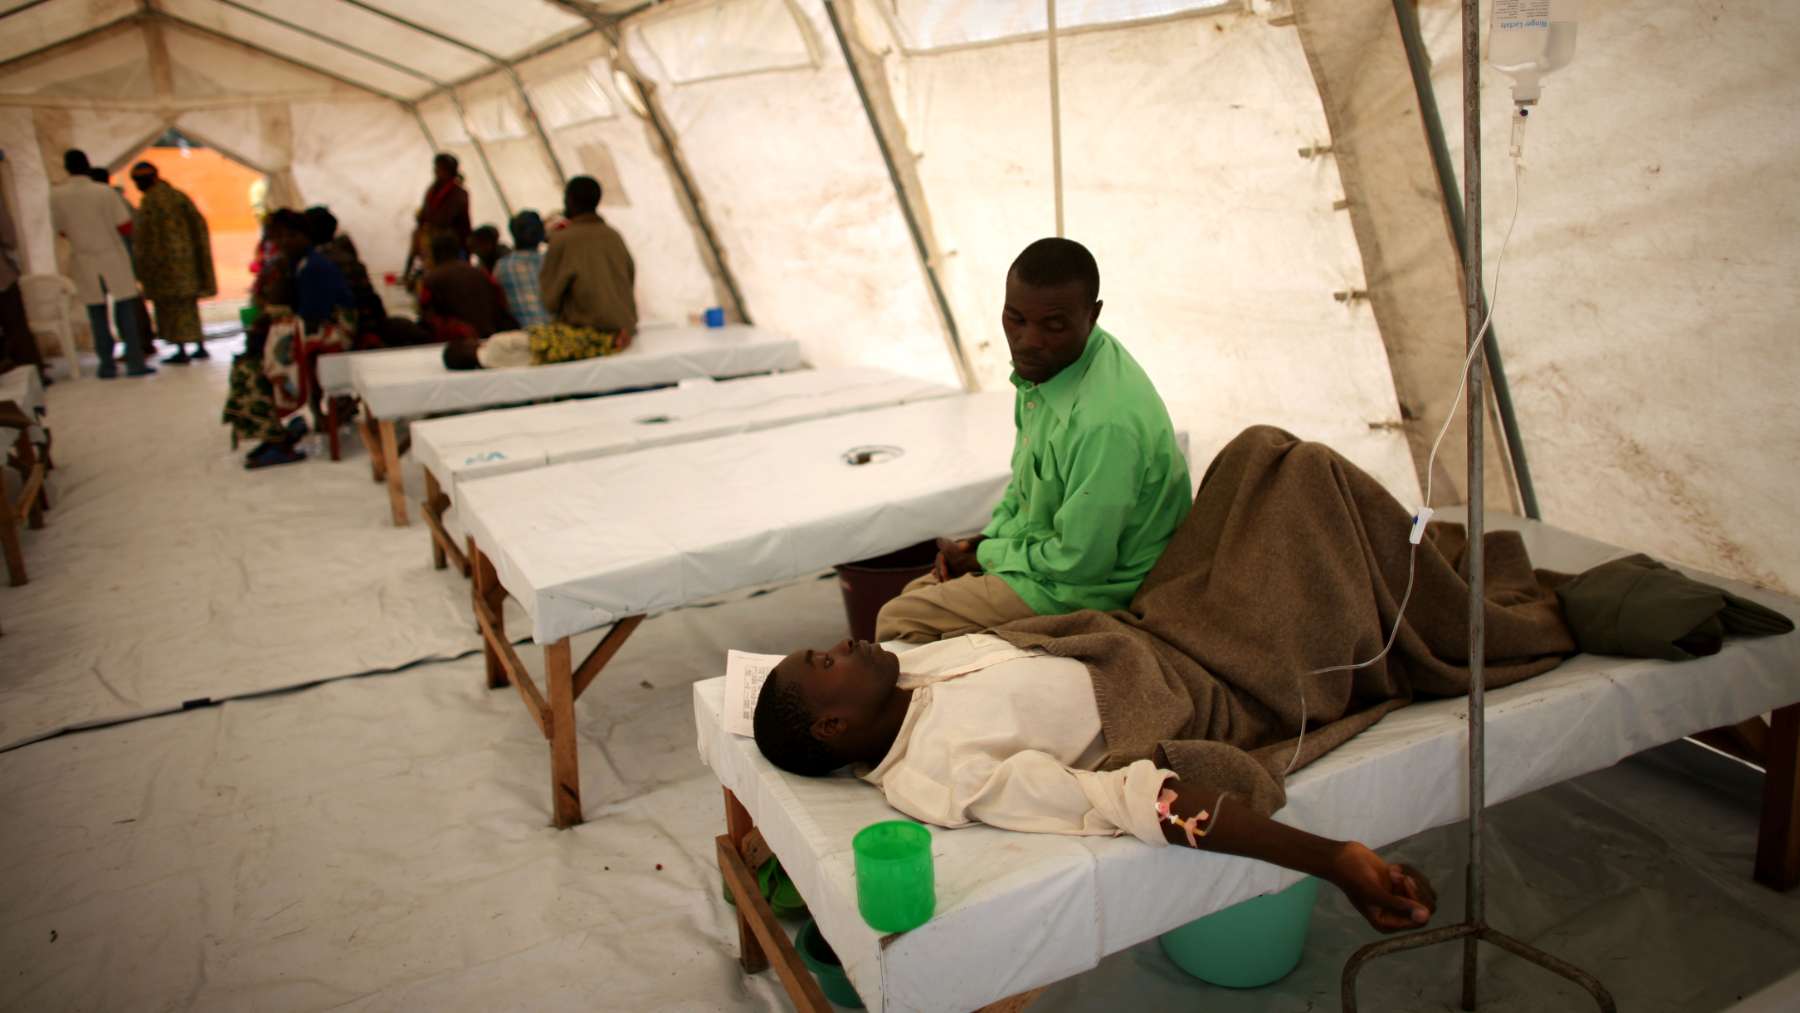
x=458 y=300
x=371 y=315
x=1098 y=482
x=587 y=284
x=486 y=247
x=306 y=309
x=519 y=270
x=973 y=729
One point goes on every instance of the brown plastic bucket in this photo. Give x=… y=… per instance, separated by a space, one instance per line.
x=869 y=584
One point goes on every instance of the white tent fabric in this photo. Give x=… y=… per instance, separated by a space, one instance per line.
x=1649 y=298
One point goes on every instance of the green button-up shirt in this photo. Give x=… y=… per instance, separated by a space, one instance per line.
x=1098 y=485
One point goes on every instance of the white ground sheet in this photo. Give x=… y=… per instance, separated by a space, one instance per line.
x=1016 y=911
x=580 y=545
x=412 y=382
x=165 y=572
x=383 y=843
x=486 y=444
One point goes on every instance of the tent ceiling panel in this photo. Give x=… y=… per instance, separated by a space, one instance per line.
x=1219 y=249
x=942 y=24
x=807 y=216
x=572 y=84
x=47 y=24
x=297 y=46
x=1649 y=295
x=362 y=29
x=106 y=67
x=208 y=66
x=700 y=41
x=503 y=28
x=444 y=122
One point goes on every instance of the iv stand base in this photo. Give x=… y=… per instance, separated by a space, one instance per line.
x=1471 y=933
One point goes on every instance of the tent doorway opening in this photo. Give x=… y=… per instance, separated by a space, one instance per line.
x=228 y=193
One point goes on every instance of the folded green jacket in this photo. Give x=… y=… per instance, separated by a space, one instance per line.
x=1638 y=607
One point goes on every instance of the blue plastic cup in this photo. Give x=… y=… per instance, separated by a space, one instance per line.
x=715 y=316
x=896 y=887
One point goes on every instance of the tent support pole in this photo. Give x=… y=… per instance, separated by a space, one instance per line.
x=684 y=181
x=958 y=356
x=1474 y=929
x=481 y=153
x=1419 y=61
x=1056 y=175
x=537 y=125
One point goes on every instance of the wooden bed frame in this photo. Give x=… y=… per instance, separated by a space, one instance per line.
x=382 y=439
x=1772 y=745
x=33 y=499
x=555 y=716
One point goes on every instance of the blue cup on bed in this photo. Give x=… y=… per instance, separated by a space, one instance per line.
x=896 y=889
x=715 y=316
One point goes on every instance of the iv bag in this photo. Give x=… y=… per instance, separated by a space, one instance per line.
x=1530 y=38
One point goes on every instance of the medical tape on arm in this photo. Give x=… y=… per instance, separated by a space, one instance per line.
x=1196 y=826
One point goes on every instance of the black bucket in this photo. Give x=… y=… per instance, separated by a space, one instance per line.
x=869 y=584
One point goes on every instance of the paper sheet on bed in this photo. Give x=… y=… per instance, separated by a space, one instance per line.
x=483 y=445
x=744 y=676
x=1016 y=911
x=409 y=383
x=583 y=544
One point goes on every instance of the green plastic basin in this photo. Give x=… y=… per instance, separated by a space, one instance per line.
x=1247 y=945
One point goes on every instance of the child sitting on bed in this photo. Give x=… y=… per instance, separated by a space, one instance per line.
x=975 y=730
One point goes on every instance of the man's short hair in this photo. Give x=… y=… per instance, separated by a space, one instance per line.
x=445 y=247
x=486 y=232
x=462 y=355
x=289 y=219
x=527 y=228
x=1054 y=261
x=447 y=159
x=582 y=195
x=100 y=175
x=75 y=162
x=783 y=726
x=321 y=225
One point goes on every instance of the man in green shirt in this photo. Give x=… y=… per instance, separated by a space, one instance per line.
x=1099 y=484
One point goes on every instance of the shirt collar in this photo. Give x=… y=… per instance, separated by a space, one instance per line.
x=1059 y=391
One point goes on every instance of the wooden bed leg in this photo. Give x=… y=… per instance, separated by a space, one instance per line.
x=486 y=586
x=31 y=499
x=365 y=428
x=762 y=942
x=474 y=585
x=9 y=537
x=1778 y=844
x=332 y=423
x=565 y=765
x=390 y=463
x=433 y=520
x=737 y=827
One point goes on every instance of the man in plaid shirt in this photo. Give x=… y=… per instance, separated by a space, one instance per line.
x=517 y=272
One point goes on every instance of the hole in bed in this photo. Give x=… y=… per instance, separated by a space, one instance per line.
x=653 y=420
x=873 y=454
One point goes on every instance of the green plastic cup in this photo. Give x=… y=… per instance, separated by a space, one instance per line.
x=896 y=890
x=1247 y=945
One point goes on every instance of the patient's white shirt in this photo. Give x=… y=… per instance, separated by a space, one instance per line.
x=1009 y=737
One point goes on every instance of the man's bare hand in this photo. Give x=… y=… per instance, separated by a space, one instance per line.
x=956 y=556
x=1391 y=897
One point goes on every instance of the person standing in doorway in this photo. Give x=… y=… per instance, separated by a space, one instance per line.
x=173 y=254
x=95 y=221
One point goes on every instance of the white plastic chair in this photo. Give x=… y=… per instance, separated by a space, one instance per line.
x=49 y=302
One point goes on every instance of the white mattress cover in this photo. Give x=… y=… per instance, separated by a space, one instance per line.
x=485 y=444
x=580 y=545
x=1016 y=911
x=410 y=382
x=335 y=367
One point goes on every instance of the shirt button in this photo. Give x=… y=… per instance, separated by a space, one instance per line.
x=1031 y=404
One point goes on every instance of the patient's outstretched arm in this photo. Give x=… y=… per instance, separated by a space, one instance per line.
x=1391 y=897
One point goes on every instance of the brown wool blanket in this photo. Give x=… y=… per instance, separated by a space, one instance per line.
x=1293 y=559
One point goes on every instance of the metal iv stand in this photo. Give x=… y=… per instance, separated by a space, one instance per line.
x=1474 y=929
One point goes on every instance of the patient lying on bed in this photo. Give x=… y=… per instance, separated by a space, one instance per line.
x=973 y=729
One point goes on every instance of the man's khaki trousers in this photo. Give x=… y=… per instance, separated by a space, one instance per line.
x=930 y=609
